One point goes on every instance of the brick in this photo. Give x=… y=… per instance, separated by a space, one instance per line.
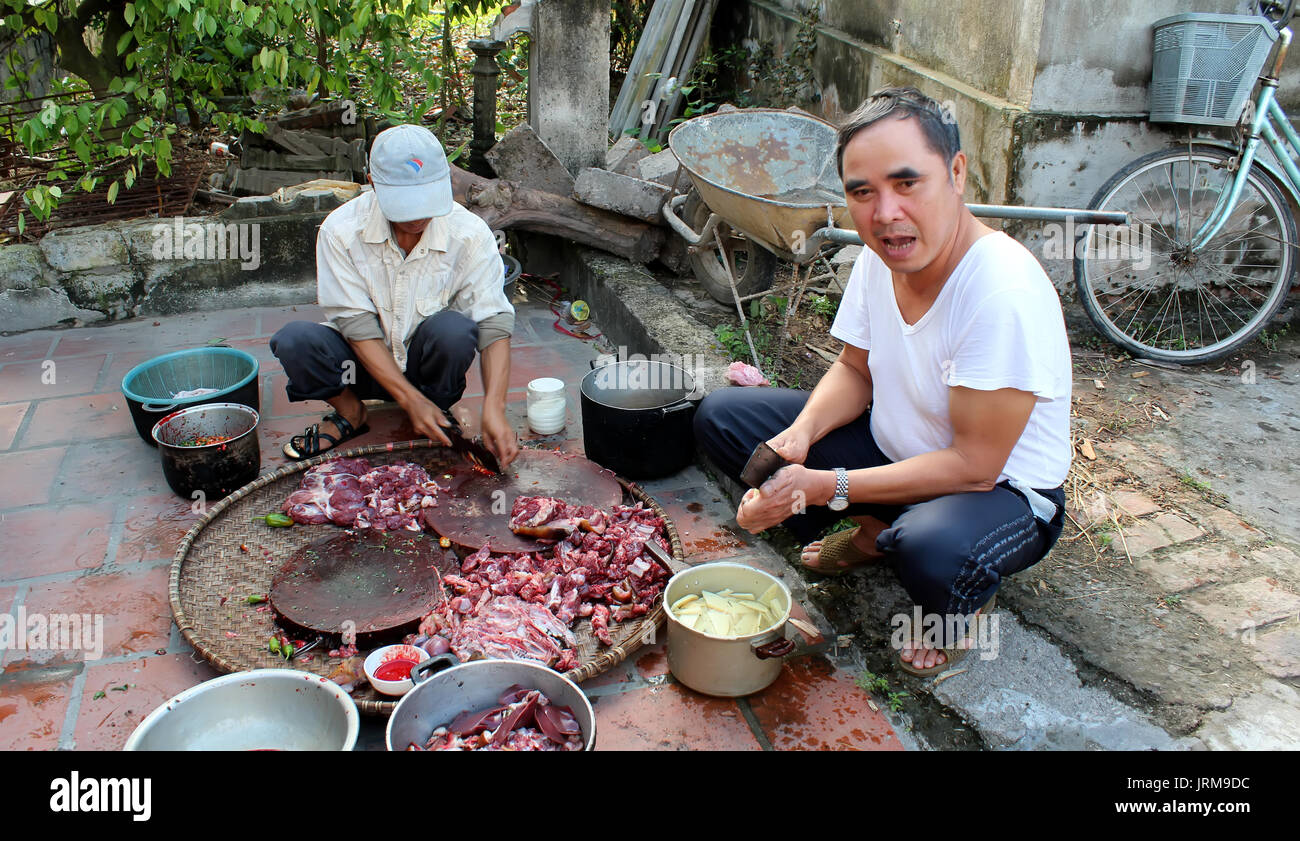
x=154 y=527
x=1229 y=525
x=1259 y=601
x=815 y=706
x=652 y=660
x=1191 y=568
x=660 y=168
x=33 y=704
x=68 y=420
x=623 y=156
x=1144 y=538
x=1279 y=559
x=106 y=723
x=26 y=346
x=11 y=417
x=49 y=540
x=1178 y=529
x=272 y=319
x=136 y=612
x=706 y=528
x=524 y=157
x=1278 y=652
x=623 y=194
x=104 y=470
x=38 y=469
x=670 y=717
x=1134 y=503
x=38 y=380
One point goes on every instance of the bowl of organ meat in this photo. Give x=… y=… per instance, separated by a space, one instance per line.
x=491 y=705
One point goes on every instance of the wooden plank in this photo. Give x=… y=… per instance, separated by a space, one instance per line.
x=657 y=45
x=701 y=26
x=623 y=105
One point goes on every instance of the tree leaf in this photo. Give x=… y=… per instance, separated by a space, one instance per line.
x=112 y=191
x=124 y=40
x=129 y=13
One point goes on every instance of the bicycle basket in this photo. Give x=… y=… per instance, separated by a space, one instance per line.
x=1204 y=66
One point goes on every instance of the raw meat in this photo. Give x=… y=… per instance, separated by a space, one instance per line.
x=352 y=494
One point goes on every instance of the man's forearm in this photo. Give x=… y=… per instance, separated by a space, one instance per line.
x=495 y=364
x=841 y=396
x=378 y=360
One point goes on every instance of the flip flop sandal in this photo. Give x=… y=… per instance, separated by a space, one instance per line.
x=308 y=444
x=838 y=556
x=952 y=656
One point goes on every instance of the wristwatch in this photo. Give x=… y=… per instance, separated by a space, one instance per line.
x=840 y=500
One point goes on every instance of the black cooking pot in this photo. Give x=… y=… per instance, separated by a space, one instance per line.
x=214 y=469
x=637 y=416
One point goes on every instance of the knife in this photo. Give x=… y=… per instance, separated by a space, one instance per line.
x=763 y=462
x=472 y=450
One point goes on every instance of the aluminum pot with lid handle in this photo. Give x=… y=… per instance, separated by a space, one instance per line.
x=727 y=667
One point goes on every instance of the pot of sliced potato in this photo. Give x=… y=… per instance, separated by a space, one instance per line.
x=726 y=628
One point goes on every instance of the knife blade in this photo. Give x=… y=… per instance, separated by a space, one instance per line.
x=763 y=462
x=471 y=449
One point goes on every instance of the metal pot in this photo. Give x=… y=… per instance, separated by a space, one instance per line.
x=214 y=469
x=728 y=667
x=264 y=709
x=444 y=690
x=637 y=417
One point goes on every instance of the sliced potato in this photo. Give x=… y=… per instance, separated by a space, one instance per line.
x=746 y=624
x=721 y=623
x=690 y=620
x=715 y=601
x=685 y=600
x=695 y=608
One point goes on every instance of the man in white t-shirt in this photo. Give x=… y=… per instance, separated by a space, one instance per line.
x=943 y=427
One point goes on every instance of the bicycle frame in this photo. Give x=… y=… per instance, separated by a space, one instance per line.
x=1265 y=122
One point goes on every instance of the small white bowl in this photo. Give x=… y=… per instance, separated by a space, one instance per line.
x=380 y=656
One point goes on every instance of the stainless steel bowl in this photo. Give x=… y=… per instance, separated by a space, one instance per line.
x=215 y=469
x=264 y=709
x=477 y=685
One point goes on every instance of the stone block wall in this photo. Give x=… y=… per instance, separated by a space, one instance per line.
x=258 y=252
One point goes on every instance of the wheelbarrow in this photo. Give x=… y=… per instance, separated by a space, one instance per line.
x=767 y=178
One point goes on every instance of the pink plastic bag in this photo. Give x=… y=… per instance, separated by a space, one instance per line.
x=740 y=373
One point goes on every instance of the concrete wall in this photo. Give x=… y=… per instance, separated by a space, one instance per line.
x=1050 y=95
x=127 y=269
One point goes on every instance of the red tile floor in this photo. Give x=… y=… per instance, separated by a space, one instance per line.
x=89 y=526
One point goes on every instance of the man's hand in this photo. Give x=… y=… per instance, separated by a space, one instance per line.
x=791 y=444
x=788 y=492
x=500 y=437
x=426 y=418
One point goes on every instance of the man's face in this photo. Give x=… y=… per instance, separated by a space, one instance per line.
x=904 y=200
x=410 y=228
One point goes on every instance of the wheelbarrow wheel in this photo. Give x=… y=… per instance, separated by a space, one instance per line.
x=754 y=265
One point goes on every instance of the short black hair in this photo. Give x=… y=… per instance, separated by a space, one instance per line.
x=937 y=122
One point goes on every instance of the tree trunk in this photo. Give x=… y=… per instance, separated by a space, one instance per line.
x=507 y=204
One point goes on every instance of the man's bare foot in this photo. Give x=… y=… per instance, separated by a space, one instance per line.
x=842 y=553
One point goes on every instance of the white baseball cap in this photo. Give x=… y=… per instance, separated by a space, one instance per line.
x=410 y=173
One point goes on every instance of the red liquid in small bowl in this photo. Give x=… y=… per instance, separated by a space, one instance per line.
x=399 y=669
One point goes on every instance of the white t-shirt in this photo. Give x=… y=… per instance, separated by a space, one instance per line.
x=997 y=323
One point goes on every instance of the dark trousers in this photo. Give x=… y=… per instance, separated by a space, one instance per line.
x=950 y=553
x=320 y=363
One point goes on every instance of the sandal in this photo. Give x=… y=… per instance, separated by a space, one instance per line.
x=952 y=656
x=839 y=556
x=308 y=444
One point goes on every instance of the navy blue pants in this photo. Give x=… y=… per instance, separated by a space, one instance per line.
x=320 y=363
x=950 y=553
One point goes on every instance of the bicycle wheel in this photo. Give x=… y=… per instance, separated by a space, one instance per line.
x=1149 y=292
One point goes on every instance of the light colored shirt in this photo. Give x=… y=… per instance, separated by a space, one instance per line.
x=362 y=275
x=996 y=323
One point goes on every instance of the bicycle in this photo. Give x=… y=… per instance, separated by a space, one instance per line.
x=1220 y=235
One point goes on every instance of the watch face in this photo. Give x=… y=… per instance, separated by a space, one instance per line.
x=837 y=504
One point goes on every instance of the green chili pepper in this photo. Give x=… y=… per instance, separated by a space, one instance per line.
x=275 y=519
x=288 y=651
x=255 y=599
x=274 y=645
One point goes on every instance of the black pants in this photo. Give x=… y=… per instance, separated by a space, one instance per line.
x=950 y=553
x=320 y=363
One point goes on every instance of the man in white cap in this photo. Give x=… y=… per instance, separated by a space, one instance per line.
x=412 y=285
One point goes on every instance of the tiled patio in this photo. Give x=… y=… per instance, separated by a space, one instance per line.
x=90 y=526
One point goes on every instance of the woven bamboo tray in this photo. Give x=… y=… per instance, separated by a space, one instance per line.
x=210 y=565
